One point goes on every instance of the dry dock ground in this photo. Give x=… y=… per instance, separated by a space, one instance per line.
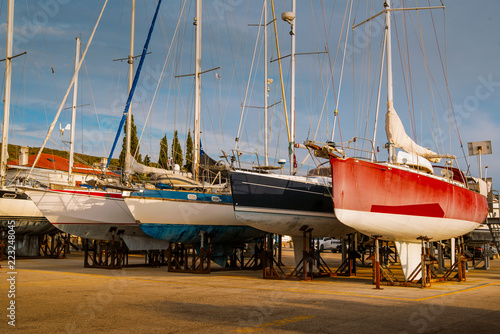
x=60 y=296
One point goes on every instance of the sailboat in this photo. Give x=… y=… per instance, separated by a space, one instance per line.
x=90 y=213
x=16 y=207
x=284 y=204
x=181 y=213
x=404 y=199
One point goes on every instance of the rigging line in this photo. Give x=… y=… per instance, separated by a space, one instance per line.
x=328 y=48
x=57 y=87
x=335 y=60
x=428 y=74
x=281 y=73
x=404 y=68
x=68 y=90
x=428 y=83
x=136 y=78
x=411 y=106
x=234 y=74
x=371 y=84
x=445 y=74
x=238 y=133
x=364 y=84
x=343 y=60
x=114 y=96
x=160 y=80
x=93 y=102
x=412 y=110
x=315 y=40
x=327 y=128
x=429 y=71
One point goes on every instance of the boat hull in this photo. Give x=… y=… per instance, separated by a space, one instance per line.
x=93 y=215
x=283 y=205
x=400 y=204
x=20 y=209
x=179 y=216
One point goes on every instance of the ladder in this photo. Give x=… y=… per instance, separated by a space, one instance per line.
x=494 y=225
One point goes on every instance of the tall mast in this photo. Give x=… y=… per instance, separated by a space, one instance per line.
x=266 y=85
x=73 y=113
x=390 y=98
x=8 y=79
x=292 y=92
x=389 y=53
x=128 y=132
x=197 y=92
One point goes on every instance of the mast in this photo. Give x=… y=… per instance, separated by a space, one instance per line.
x=390 y=98
x=128 y=132
x=73 y=113
x=292 y=92
x=8 y=80
x=266 y=153
x=197 y=93
x=378 y=95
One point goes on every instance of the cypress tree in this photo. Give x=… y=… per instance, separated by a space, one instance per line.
x=134 y=144
x=176 y=150
x=147 y=160
x=189 y=152
x=163 y=158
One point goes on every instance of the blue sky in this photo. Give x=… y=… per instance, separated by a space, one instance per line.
x=47 y=31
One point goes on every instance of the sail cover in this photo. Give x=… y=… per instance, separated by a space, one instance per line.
x=396 y=135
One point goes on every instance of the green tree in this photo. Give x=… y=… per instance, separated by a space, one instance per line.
x=147 y=160
x=176 y=150
x=163 y=158
x=189 y=152
x=134 y=144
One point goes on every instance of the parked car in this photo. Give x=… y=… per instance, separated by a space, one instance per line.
x=333 y=245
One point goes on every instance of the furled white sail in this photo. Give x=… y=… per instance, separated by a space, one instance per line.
x=136 y=167
x=396 y=135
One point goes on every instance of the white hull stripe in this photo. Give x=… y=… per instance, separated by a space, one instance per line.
x=285 y=212
x=283 y=188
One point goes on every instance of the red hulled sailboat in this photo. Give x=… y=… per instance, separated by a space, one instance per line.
x=403 y=199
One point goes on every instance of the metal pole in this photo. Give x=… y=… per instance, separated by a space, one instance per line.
x=266 y=87
x=292 y=92
x=197 y=97
x=128 y=131
x=8 y=83
x=479 y=159
x=390 y=98
x=377 y=265
x=422 y=263
x=73 y=115
x=452 y=252
x=378 y=94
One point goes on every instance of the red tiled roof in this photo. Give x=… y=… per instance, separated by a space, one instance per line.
x=54 y=162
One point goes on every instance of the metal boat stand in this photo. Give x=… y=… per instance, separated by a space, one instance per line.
x=237 y=260
x=2 y=244
x=271 y=267
x=54 y=245
x=348 y=266
x=105 y=254
x=156 y=258
x=426 y=272
x=311 y=259
x=186 y=259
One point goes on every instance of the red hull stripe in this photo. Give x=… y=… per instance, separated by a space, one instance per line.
x=91 y=193
x=423 y=210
